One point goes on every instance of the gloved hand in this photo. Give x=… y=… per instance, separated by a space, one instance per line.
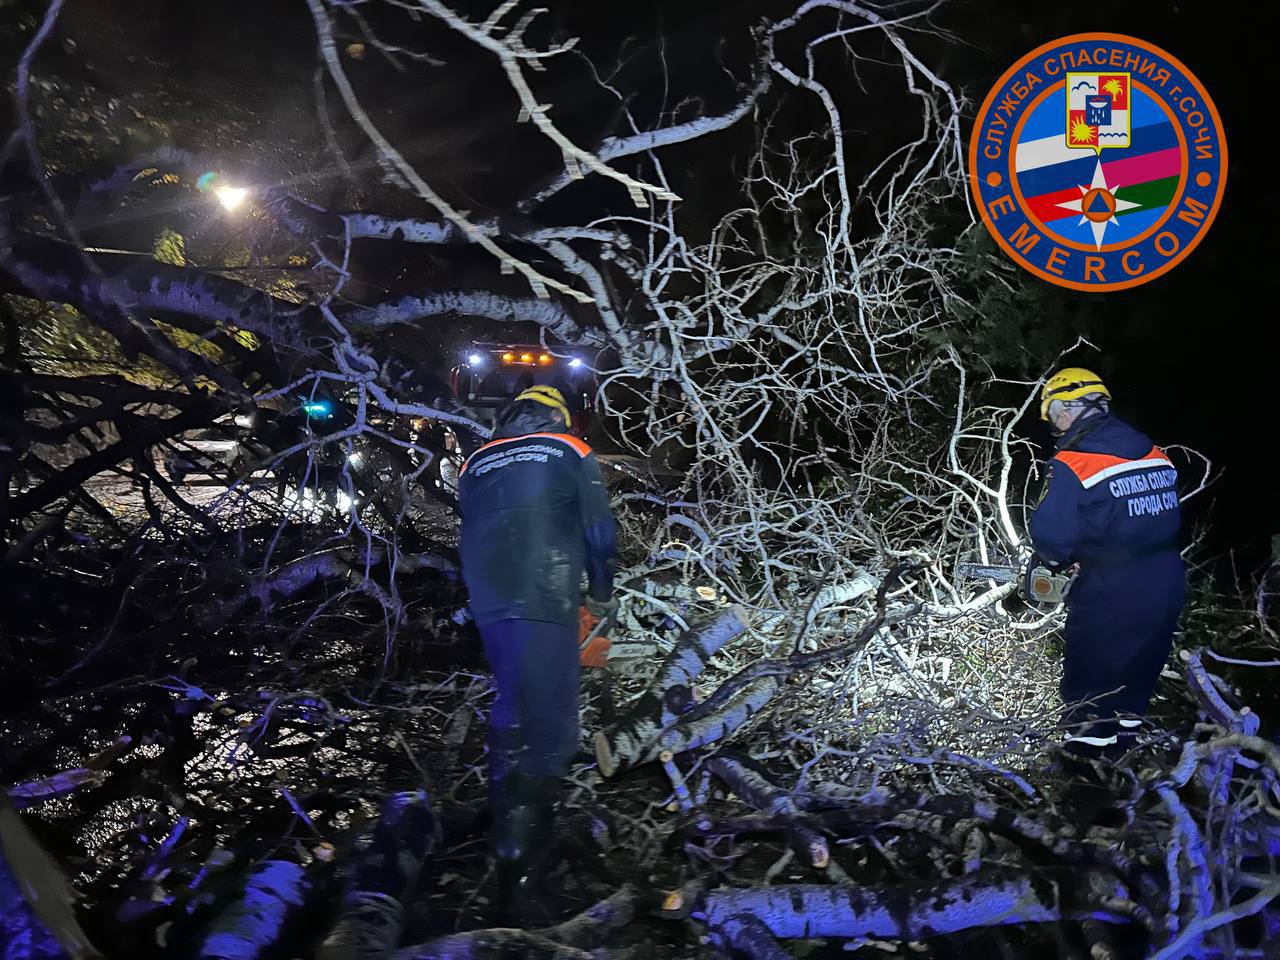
x=602 y=609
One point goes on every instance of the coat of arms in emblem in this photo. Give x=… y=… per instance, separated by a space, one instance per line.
x=1098 y=117
x=1097 y=110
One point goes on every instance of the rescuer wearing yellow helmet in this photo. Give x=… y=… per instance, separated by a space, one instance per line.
x=548 y=397
x=1076 y=389
x=1110 y=505
x=535 y=516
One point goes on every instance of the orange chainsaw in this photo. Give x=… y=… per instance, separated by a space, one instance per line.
x=1037 y=582
x=593 y=638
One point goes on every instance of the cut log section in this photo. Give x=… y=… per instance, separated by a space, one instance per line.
x=719 y=725
x=247 y=928
x=976 y=900
x=625 y=743
x=756 y=790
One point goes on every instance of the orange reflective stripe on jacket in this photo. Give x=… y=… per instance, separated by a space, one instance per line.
x=1093 y=468
x=578 y=445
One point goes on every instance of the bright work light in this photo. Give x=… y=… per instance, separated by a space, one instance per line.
x=230 y=197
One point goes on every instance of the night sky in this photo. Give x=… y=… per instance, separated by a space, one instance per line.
x=1191 y=356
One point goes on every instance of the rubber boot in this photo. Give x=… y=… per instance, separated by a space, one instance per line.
x=522 y=842
x=1089 y=797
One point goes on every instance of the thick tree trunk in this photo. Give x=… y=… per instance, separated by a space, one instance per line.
x=716 y=726
x=975 y=900
x=247 y=928
x=748 y=936
x=669 y=695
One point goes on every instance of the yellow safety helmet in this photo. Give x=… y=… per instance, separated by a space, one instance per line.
x=548 y=397
x=1070 y=383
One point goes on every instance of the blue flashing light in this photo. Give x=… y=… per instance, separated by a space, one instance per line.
x=575 y=362
x=318 y=409
x=476 y=360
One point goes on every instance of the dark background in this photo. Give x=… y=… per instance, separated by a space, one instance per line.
x=1190 y=356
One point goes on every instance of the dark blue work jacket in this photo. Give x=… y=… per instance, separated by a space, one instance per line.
x=535 y=515
x=1111 y=504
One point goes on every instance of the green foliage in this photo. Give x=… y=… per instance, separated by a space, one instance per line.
x=191 y=341
x=171 y=248
x=1012 y=320
x=1217 y=621
x=57 y=338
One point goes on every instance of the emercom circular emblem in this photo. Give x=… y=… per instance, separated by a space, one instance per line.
x=1098 y=161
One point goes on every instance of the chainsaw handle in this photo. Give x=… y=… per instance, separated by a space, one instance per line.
x=1043 y=584
x=601 y=627
x=593 y=643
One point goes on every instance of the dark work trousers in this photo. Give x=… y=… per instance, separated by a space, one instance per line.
x=533 y=726
x=1119 y=632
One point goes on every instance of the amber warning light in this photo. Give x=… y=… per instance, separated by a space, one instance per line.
x=542 y=359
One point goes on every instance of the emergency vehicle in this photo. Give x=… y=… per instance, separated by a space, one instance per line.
x=491 y=374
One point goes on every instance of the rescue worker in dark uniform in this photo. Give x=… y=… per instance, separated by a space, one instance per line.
x=535 y=516
x=1110 y=506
